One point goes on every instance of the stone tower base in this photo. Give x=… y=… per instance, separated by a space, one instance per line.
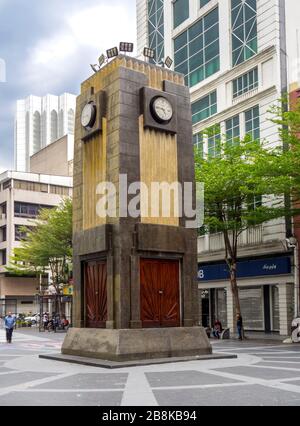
x=136 y=344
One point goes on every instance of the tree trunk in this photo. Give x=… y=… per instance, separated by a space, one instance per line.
x=60 y=306
x=234 y=287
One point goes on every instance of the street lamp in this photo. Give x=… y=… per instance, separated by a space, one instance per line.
x=168 y=62
x=101 y=60
x=111 y=53
x=126 y=47
x=95 y=67
x=292 y=242
x=149 y=53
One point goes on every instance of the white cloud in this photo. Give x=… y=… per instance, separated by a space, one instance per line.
x=85 y=36
x=103 y=26
x=55 y=49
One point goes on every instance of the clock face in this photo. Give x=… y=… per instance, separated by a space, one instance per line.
x=162 y=109
x=88 y=115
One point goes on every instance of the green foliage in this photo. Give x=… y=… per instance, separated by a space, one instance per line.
x=237 y=181
x=288 y=121
x=48 y=244
x=248 y=182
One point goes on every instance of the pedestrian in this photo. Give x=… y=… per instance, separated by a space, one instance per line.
x=217 y=329
x=9 y=326
x=45 y=320
x=239 y=326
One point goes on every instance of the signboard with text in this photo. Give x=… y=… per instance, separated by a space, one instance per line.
x=246 y=268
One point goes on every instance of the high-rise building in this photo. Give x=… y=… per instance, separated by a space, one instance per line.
x=39 y=122
x=238 y=58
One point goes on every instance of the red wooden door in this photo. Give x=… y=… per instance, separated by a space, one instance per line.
x=160 y=302
x=95 y=280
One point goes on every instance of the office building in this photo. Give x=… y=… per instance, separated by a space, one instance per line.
x=238 y=58
x=22 y=195
x=39 y=122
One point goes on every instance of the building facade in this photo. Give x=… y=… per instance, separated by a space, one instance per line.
x=22 y=195
x=39 y=122
x=55 y=159
x=238 y=58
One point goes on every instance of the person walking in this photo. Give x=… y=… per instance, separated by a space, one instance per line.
x=45 y=320
x=10 y=322
x=239 y=326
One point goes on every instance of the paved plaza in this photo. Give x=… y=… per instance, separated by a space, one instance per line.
x=265 y=373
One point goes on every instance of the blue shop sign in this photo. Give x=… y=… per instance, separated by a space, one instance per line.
x=246 y=268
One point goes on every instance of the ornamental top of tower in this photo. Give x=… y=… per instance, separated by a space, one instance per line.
x=156 y=74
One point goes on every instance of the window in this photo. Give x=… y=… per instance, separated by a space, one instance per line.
x=7 y=185
x=156 y=29
x=203 y=2
x=180 y=11
x=30 y=186
x=204 y=107
x=214 y=141
x=232 y=129
x=59 y=190
x=253 y=203
x=19 y=232
x=3 y=211
x=245 y=83
x=3 y=257
x=3 y=234
x=198 y=143
x=252 y=123
x=28 y=210
x=244 y=30
x=196 y=50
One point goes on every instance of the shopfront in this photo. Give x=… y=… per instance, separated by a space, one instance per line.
x=265 y=291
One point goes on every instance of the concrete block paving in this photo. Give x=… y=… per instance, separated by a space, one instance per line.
x=263 y=374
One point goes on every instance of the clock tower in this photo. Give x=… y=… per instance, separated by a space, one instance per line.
x=135 y=259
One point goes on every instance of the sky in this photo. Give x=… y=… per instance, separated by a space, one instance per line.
x=48 y=46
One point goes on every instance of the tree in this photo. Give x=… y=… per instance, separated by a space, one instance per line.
x=244 y=183
x=287 y=116
x=47 y=245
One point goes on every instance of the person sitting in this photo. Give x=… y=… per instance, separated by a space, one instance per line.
x=217 y=329
x=64 y=322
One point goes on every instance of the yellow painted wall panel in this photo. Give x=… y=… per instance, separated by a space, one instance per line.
x=94 y=172
x=158 y=163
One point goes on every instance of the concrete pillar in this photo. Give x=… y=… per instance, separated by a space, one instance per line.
x=231 y=317
x=286 y=305
x=135 y=321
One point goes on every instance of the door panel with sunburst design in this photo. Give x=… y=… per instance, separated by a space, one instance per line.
x=160 y=301
x=95 y=280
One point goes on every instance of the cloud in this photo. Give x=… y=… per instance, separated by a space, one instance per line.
x=103 y=25
x=48 y=46
x=86 y=34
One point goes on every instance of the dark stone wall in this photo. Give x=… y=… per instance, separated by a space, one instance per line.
x=125 y=240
